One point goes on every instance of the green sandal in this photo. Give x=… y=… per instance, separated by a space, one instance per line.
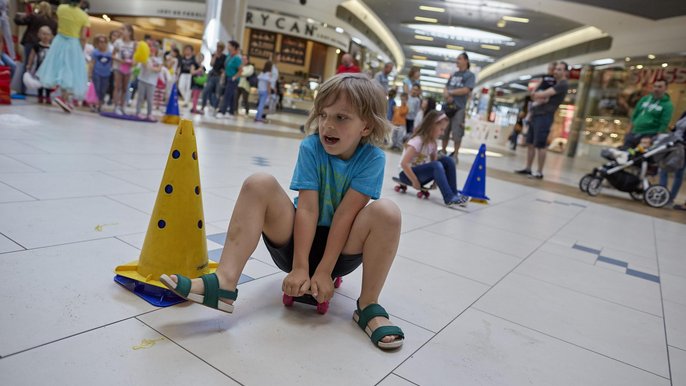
x=212 y=291
x=362 y=317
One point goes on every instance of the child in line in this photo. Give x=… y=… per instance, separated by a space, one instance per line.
x=198 y=79
x=264 y=89
x=124 y=47
x=102 y=68
x=413 y=106
x=427 y=105
x=147 y=80
x=420 y=163
x=36 y=58
x=329 y=230
x=64 y=65
x=391 y=104
x=187 y=65
x=399 y=121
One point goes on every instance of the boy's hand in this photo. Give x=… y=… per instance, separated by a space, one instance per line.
x=296 y=283
x=321 y=286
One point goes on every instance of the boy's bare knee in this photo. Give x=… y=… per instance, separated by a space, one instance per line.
x=386 y=213
x=259 y=183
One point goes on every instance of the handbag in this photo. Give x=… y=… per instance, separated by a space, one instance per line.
x=450 y=109
x=31 y=81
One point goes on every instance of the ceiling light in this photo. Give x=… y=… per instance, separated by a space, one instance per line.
x=431 y=9
x=498 y=84
x=434 y=79
x=501 y=23
x=601 y=62
x=518 y=86
x=627 y=59
x=490 y=47
x=453 y=47
x=448 y=54
x=340 y=30
x=422 y=37
x=464 y=34
x=426 y=19
x=106 y=18
x=424 y=63
x=651 y=56
x=640 y=66
x=419 y=57
x=525 y=77
x=426 y=71
x=516 y=19
x=665 y=64
x=338 y=50
x=357 y=40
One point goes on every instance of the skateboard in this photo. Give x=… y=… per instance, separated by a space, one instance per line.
x=322 y=308
x=402 y=188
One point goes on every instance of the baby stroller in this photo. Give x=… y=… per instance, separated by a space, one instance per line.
x=627 y=171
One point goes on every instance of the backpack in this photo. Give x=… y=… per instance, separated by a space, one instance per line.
x=252 y=80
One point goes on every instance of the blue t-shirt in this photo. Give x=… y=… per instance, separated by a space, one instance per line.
x=332 y=176
x=102 y=63
x=232 y=66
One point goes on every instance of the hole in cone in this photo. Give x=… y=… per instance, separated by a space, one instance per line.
x=168 y=189
x=200 y=224
x=197 y=190
x=161 y=224
x=176 y=154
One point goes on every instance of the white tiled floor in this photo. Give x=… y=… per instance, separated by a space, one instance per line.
x=492 y=294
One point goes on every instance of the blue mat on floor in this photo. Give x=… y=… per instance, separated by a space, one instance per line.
x=18 y=96
x=127 y=117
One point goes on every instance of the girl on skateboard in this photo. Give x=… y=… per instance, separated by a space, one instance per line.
x=420 y=163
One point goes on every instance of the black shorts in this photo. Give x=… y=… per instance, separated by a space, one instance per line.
x=283 y=256
x=539 y=129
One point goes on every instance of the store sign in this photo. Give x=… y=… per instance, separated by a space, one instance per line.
x=287 y=25
x=673 y=75
x=151 y=8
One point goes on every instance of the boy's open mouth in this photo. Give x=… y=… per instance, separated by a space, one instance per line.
x=330 y=140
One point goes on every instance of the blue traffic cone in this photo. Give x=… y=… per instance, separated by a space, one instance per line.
x=172 y=115
x=475 y=186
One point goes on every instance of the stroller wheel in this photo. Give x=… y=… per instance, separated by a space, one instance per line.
x=584 y=181
x=656 y=196
x=636 y=195
x=594 y=186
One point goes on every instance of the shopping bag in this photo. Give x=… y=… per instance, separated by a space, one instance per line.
x=91 y=95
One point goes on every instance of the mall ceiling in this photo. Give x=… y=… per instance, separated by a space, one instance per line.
x=486 y=30
x=437 y=31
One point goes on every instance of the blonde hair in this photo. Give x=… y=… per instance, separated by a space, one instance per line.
x=425 y=129
x=368 y=100
x=44 y=8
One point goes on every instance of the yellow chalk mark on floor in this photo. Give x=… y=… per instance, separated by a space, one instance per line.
x=147 y=343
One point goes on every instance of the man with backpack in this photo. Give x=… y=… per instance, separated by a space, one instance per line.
x=248 y=80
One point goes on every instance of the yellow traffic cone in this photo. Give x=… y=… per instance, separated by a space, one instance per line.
x=175 y=241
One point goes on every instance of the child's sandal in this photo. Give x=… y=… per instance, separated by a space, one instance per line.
x=212 y=291
x=362 y=317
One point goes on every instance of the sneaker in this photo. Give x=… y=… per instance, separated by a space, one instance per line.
x=442 y=153
x=523 y=171
x=59 y=101
x=459 y=200
x=679 y=207
x=219 y=115
x=118 y=110
x=536 y=175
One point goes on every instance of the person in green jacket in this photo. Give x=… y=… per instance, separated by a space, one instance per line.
x=651 y=115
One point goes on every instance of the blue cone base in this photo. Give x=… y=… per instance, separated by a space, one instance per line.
x=126 y=117
x=158 y=297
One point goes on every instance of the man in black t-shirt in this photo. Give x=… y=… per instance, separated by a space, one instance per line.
x=542 y=116
x=213 y=85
